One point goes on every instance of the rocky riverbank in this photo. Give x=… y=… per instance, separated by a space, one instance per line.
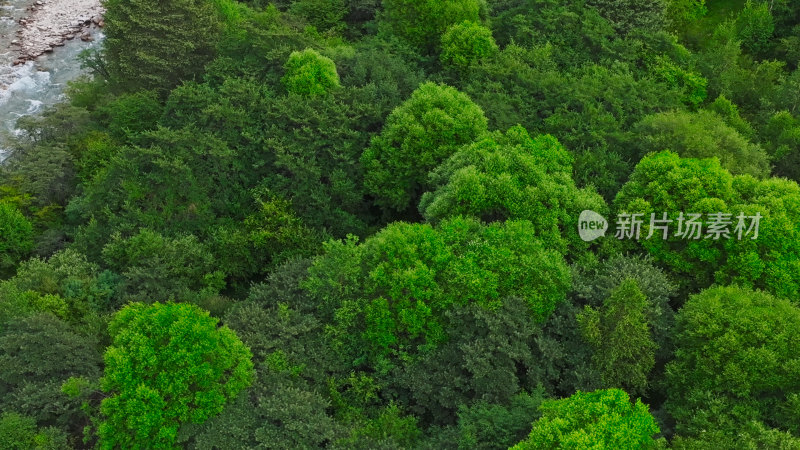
x=51 y=23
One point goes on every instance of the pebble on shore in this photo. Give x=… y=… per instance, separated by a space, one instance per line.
x=52 y=22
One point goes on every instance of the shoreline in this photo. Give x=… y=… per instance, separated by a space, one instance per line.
x=51 y=23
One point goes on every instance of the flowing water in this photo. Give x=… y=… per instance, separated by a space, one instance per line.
x=27 y=89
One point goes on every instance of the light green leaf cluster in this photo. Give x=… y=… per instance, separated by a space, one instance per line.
x=665 y=182
x=419 y=135
x=604 y=419
x=169 y=364
x=513 y=176
x=736 y=362
x=309 y=73
x=466 y=43
x=393 y=290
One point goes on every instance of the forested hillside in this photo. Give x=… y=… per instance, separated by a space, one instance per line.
x=359 y=224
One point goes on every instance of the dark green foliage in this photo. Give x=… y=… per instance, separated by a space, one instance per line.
x=419 y=135
x=423 y=22
x=169 y=364
x=621 y=338
x=323 y=14
x=155 y=45
x=631 y=15
x=488 y=356
x=157 y=269
x=702 y=135
x=380 y=199
x=783 y=134
x=309 y=73
x=485 y=425
x=37 y=355
x=600 y=419
x=593 y=285
x=735 y=363
x=754 y=26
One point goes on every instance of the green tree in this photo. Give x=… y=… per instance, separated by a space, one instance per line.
x=168 y=364
x=153 y=44
x=629 y=16
x=16 y=238
x=423 y=22
x=19 y=432
x=37 y=355
x=603 y=419
x=419 y=135
x=702 y=135
x=665 y=183
x=158 y=268
x=309 y=73
x=594 y=284
x=735 y=363
x=782 y=133
x=467 y=43
x=388 y=296
x=513 y=176
x=755 y=25
x=323 y=14
x=620 y=335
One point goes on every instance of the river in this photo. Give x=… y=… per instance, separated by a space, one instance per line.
x=29 y=88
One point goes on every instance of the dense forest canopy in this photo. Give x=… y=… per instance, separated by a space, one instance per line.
x=355 y=224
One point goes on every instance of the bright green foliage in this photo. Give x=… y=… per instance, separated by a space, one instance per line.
x=736 y=362
x=418 y=136
x=132 y=114
x=423 y=22
x=590 y=108
x=153 y=44
x=702 y=135
x=18 y=432
x=603 y=419
x=666 y=183
x=513 y=176
x=754 y=26
x=620 y=335
x=692 y=84
x=730 y=114
x=388 y=295
x=309 y=73
x=169 y=364
x=16 y=238
x=467 y=43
